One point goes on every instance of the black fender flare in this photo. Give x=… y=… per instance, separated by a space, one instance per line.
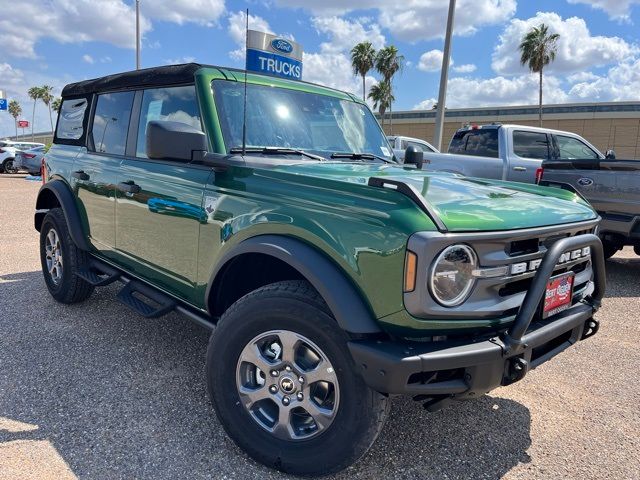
x=342 y=297
x=67 y=202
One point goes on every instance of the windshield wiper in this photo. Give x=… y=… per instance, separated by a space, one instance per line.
x=278 y=151
x=360 y=156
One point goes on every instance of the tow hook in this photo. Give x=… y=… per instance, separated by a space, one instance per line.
x=517 y=368
x=591 y=327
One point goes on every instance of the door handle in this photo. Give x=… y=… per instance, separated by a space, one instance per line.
x=128 y=187
x=80 y=175
x=520 y=169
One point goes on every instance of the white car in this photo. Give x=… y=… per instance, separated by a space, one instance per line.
x=400 y=144
x=8 y=153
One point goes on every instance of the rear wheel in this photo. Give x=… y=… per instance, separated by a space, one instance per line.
x=284 y=385
x=61 y=260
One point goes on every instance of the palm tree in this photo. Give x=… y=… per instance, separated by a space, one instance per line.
x=55 y=105
x=388 y=63
x=381 y=95
x=538 y=49
x=34 y=94
x=363 y=56
x=46 y=95
x=15 y=110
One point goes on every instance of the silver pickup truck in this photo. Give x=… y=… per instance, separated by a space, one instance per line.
x=507 y=152
x=613 y=189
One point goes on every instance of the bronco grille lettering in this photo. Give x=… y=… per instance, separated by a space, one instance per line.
x=533 y=265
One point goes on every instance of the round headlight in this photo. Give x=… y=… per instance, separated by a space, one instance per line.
x=451 y=278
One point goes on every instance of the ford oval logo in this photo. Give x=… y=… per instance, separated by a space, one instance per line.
x=281 y=45
x=585 y=182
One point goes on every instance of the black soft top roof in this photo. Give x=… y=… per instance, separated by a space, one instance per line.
x=148 y=77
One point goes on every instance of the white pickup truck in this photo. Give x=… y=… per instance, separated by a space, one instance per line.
x=507 y=152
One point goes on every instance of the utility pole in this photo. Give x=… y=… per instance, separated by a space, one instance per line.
x=444 y=77
x=137 y=34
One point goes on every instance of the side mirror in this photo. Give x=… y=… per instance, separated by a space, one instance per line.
x=610 y=155
x=174 y=141
x=412 y=155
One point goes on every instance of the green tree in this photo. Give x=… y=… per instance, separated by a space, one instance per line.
x=363 y=57
x=388 y=62
x=381 y=95
x=46 y=95
x=34 y=94
x=537 y=50
x=55 y=105
x=15 y=110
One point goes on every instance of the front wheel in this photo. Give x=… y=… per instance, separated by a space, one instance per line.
x=7 y=166
x=284 y=385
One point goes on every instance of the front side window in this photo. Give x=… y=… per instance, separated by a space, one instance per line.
x=531 y=145
x=478 y=142
x=287 y=118
x=71 y=119
x=174 y=104
x=570 y=148
x=111 y=122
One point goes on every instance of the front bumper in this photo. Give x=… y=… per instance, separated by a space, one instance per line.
x=465 y=369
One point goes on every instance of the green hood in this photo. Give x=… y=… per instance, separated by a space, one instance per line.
x=464 y=203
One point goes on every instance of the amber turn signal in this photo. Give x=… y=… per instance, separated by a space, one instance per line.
x=410 y=265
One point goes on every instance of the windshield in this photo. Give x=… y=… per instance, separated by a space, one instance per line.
x=279 y=117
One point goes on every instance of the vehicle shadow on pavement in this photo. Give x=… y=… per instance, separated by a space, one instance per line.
x=622 y=277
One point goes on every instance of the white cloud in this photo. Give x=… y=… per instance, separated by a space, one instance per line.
x=521 y=90
x=16 y=82
x=202 y=12
x=578 y=50
x=415 y=20
x=344 y=34
x=178 y=61
x=582 y=77
x=621 y=82
x=425 y=104
x=77 y=21
x=88 y=58
x=616 y=9
x=431 y=61
x=237 y=30
x=334 y=70
x=466 y=68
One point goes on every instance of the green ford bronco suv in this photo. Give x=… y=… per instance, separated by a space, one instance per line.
x=330 y=276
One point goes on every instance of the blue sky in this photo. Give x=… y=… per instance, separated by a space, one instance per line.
x=60 y=41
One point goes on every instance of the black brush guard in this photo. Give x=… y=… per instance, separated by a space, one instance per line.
x=467 y=369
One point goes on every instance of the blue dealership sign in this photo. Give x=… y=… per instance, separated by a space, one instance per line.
x=272 y=55
x=3 y=103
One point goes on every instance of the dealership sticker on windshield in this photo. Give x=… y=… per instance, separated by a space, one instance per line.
x=385 y=151
x=558 y=295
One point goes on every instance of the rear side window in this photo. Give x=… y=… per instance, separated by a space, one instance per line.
x=480 y=143
x=174 y=104
x=531 y=145
x=570 y=148
x=111 y=122
x=71 y=119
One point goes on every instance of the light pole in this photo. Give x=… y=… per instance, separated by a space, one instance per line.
x=444 y=77
x=137 y=34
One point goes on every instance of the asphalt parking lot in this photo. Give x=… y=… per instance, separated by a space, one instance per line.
x=93 y=391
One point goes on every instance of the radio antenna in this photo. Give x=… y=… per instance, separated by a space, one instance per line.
x=244 y=114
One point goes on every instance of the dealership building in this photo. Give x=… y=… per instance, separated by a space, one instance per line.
x=606 y=125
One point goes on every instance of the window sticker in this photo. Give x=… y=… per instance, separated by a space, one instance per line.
x=385 y=151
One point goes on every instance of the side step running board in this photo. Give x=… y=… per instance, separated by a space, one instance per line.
x=99 y=274
x=148 y=302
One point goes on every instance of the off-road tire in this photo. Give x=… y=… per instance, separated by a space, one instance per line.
x=70 y=288
x=293 y=306
x=609 y=249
